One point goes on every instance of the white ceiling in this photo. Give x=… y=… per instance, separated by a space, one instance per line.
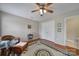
x=24 y=10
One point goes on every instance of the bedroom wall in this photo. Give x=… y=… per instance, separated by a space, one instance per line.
x=0 y=23
x=63 y=19
x=53 y=34
x=17 y=26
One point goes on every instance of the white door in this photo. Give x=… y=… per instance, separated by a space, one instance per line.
x=48 y=30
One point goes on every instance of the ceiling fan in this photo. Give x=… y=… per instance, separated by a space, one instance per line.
x=43 y=8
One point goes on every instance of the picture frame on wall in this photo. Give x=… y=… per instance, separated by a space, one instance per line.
x=29 y=26
x=59 y=27
x=59 y=30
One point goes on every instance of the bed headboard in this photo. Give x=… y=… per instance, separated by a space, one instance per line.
x=7 y=37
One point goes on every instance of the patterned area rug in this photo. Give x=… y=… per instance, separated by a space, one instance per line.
x=39 y=49
x=43 y=52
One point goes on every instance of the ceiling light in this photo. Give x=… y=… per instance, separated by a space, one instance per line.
x=45 y=11
x=43 y=8
x=41 y=12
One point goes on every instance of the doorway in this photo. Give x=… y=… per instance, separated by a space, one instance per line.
x=72 y=42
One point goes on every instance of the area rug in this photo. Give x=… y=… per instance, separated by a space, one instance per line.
x=42 y=52
x=39 y=49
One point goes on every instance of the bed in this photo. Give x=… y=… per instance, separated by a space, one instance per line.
x=19 y=48
x=15 y=49
x=5 y=52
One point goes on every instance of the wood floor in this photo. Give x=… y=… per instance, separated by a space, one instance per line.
x=64 y=49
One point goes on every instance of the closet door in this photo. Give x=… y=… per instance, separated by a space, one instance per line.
x=48 y=30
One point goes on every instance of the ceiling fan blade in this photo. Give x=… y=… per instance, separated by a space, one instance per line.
x=38 y=4
x=48 y=4
x=51 y=11
x=34 y=10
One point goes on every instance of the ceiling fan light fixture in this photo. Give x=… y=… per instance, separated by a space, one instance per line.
x=43 y=8
x=45 y=11
x=41 y=12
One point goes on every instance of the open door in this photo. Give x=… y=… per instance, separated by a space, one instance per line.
x=72 y=35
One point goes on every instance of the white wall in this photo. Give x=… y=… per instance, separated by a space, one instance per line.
x=17 y=26
x=0 y=22
x=48 y=30
x=60 y=36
